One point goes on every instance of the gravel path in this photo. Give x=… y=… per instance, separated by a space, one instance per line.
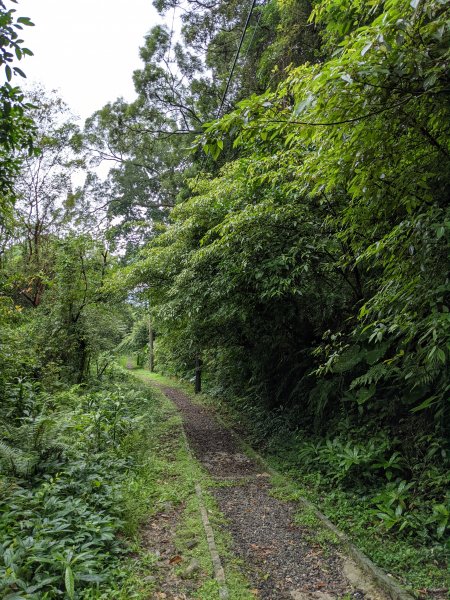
x=282 y=559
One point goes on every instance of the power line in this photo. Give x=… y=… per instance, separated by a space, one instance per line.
x=249 y=16
x=253 y=36
x=171 y=34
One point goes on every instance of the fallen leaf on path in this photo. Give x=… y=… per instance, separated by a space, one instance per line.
x=314 y=553
x=175 y=559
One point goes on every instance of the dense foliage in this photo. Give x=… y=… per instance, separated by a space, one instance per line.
x=310 y=272
x=277 y=212
x=16 y=128
x=67 y=452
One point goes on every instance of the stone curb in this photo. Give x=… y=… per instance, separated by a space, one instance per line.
x=386 y=582
x=219 y=572
x=218 y=569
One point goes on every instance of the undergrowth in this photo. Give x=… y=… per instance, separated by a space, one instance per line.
x=83 y=471
x=67 y=463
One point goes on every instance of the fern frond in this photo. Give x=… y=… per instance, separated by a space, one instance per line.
x=373 y=375
x=33 y=443
x=7 y=453
x=16 y=461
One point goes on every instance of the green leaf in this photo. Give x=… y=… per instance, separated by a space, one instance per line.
x=18 y=71
x=25 y=21
x=365 y=394
x=91 y=578
x=69 y=582
x=425 y=404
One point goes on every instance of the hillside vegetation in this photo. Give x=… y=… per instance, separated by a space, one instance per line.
x=276 y=218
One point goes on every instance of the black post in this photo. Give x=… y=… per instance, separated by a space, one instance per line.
x=198 y=375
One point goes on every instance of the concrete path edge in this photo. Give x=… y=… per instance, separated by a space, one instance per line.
x=388 y=583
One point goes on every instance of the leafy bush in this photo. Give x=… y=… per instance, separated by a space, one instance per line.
x=404 y=487
x=60 y=520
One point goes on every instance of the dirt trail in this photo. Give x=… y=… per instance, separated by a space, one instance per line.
x=282 y=560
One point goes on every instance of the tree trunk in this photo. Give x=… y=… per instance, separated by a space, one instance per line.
x=151 y=355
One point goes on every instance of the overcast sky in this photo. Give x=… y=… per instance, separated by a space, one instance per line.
x=88 y=49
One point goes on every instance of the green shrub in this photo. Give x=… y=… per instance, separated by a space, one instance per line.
x=61 y=502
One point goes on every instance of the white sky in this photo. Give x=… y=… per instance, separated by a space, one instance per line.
x=87 y=49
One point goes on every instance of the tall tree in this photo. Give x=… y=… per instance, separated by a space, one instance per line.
x=46 y=200
x=186 y=79
x=338 y=201
x=16 y=126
